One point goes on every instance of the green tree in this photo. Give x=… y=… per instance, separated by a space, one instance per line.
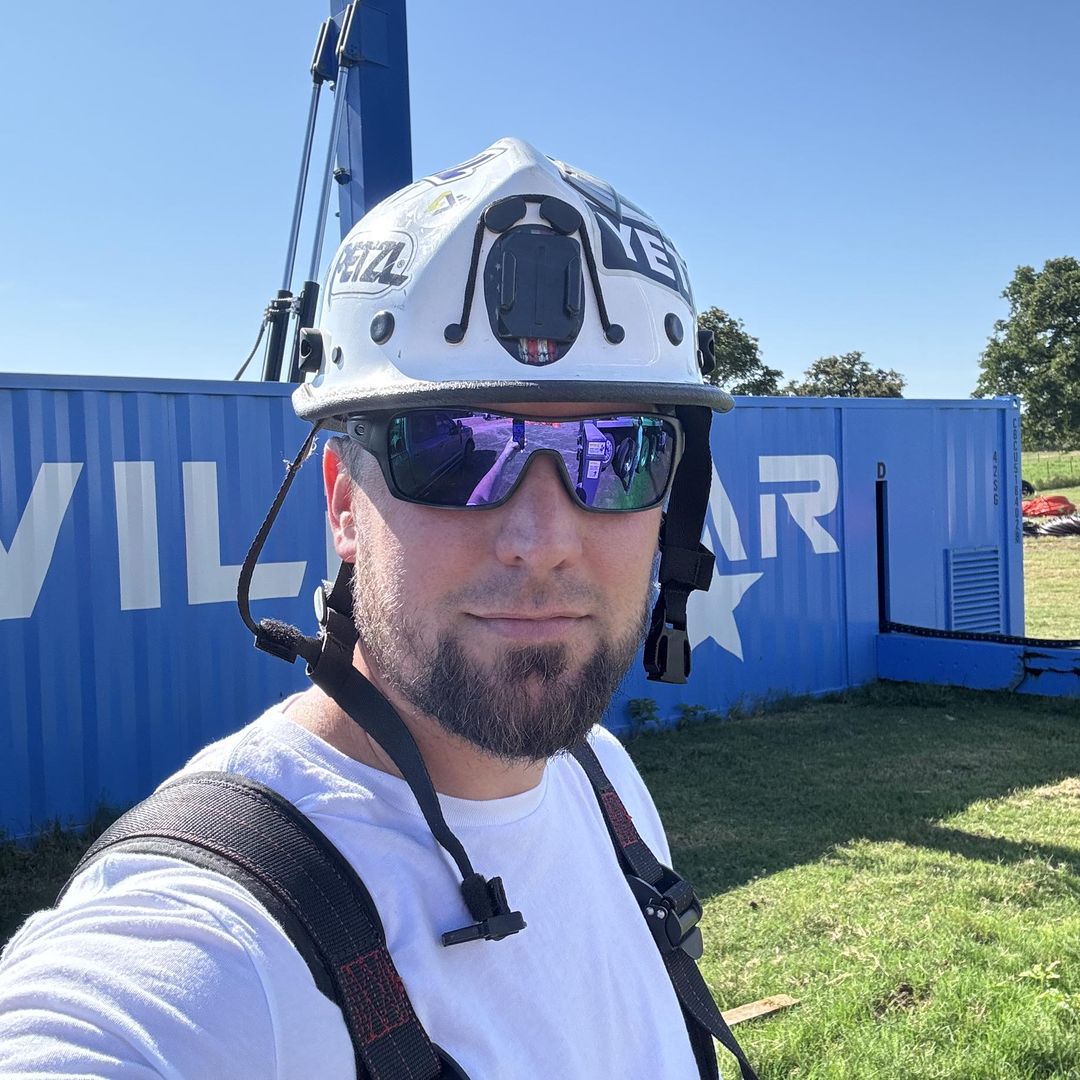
x=847 y=375
x=739 y=367
x=1035 y=353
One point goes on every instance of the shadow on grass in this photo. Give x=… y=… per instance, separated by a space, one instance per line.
x=998 y=850
x=757 y=795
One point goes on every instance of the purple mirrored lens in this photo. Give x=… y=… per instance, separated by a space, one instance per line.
x=455 y=458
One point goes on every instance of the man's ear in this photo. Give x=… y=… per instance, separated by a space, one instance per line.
x=339 y=490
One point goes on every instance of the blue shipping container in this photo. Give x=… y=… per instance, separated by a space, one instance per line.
x=127 y=506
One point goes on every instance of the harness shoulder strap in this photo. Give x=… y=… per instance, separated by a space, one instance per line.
x=249 y=833
x=672 y=910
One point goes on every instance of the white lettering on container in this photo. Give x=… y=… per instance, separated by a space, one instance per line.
x=210 y=582
x=137 y=535
x=24 y=565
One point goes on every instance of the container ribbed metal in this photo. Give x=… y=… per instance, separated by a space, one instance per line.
x=123 y=504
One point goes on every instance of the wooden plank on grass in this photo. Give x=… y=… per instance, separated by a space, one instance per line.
x=758 y=1008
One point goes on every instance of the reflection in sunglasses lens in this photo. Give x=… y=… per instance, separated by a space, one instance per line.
x=465 y=458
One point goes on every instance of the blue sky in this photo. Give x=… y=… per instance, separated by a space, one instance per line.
x=839 y=175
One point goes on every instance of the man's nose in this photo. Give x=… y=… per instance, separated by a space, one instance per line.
x=540 y=526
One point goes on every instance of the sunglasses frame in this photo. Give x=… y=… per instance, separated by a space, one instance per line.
x=371 y=431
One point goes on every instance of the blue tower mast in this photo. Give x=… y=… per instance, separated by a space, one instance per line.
x=362 y=50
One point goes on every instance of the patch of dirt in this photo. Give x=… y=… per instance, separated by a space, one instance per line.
x=904 y=997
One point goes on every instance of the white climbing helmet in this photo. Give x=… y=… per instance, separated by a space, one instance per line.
x=510 y=277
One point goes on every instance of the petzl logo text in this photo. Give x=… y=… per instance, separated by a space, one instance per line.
x=372 y=265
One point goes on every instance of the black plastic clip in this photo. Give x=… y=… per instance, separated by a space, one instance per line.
x=324 y=64
x=672 y=914
x=311 y=351
x=494 y=928
x=667 y=654
x=706 y=352
x=481 y=897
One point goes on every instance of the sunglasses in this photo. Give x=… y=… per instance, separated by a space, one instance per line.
x=472 y=458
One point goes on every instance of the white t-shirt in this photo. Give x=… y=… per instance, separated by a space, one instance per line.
x=152 y=967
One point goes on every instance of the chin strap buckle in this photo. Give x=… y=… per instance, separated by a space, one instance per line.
x=672 y=911
x=667 y=647
x=667 y=651
x=488 y=904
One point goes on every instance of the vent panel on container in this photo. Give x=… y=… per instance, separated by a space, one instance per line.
x=974 y=581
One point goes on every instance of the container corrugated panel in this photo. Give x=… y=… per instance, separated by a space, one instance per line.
x=126 y=507
x=793 y=608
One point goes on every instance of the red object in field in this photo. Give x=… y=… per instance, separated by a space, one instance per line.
x=1047 y=506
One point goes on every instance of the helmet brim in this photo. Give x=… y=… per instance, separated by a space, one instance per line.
x=330 y=405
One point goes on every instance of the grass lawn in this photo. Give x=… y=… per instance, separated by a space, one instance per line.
x=1051 y=468
x=906 y=862
x=1052 y=586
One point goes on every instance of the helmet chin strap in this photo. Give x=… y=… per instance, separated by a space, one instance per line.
x=329 y=658
x=686 y=563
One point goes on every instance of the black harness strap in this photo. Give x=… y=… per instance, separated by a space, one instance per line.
x=686 y=563
x=331 y=669
x=672 y=911
x=249 y=833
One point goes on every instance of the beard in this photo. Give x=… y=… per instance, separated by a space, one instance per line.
x=527 y=704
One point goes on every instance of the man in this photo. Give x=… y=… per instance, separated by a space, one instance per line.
x=495 y=490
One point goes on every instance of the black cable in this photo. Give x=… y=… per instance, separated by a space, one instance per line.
x=247 y=570
x=993 y=637
x=455 y=332
x=254 y=350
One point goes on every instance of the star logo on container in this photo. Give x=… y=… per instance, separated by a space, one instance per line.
x=712 y=614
